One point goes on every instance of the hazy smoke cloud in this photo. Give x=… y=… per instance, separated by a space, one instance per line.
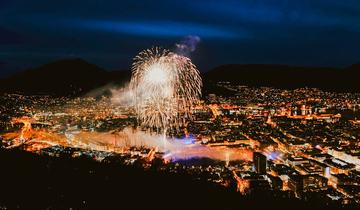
x=175 y=149
x=122 y=96
x=187 y=45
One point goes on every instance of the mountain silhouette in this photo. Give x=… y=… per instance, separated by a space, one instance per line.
x=74 y=77
x=62 y=78
x=288 y=77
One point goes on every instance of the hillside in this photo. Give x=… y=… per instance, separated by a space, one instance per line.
x=282 y=76
x=75 y=77
x=64 y=77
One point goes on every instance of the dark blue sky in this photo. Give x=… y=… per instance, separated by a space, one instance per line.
x=110 y=33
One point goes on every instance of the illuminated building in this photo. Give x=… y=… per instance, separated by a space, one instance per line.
x=276 y=182
x=313 y=167
x=294 y=161
x=259 y=163
x=307 y=183
x=303 y=110
x=338 y=166
x=341 y=179
x=342 y=155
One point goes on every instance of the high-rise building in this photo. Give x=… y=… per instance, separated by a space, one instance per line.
x=259 y=163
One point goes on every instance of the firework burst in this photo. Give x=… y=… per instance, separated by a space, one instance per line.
x=165 y=87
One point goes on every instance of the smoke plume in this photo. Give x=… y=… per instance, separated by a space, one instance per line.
x=187 y=45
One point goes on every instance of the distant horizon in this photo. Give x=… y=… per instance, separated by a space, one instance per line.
x=4 y=75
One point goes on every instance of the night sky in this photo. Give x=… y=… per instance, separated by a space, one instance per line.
x=110 y=33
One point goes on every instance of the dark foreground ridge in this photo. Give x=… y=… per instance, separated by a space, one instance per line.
x=75 y=77
x=30 y=181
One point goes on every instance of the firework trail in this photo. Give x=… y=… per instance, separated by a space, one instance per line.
x=165 y=87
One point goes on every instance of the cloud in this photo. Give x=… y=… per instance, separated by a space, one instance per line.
x=284 y=12
x=159 y=28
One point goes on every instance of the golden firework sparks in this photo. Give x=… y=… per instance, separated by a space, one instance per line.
x=165 y=86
